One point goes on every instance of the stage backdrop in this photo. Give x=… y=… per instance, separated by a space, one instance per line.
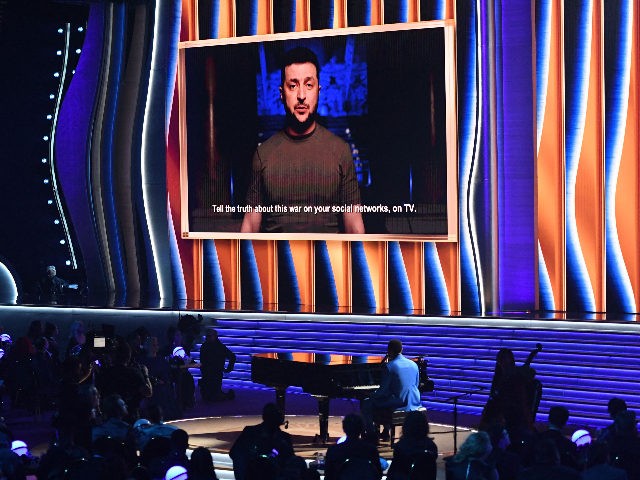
x=548 y=156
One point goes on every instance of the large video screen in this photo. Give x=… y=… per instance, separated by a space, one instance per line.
x=333 y=134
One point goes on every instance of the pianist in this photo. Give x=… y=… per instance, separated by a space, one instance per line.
x=398 y=389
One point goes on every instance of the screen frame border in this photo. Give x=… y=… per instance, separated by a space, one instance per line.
x=450 y=73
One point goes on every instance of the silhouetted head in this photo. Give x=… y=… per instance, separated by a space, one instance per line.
x=353 y=425
x=394 y=348
x=272 y=416
x=558 y=416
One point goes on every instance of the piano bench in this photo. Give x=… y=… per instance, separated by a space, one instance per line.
x=397 y=420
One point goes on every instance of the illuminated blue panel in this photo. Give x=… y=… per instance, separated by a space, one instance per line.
x=247 y=18
x=400 y=300
x=358 y=13
x=251 y=291
x=213 y=287
x=469 y=130
x=543 y=46
x=288 y=288
x=73 y=131
x=363 y=296
x=618 y=33
x=577 y=48
x=396 y=11
x=325 y=284
x=436 y=295
x=516 y=157
x=284 y=16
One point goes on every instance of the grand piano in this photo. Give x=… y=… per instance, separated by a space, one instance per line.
x=325 y=376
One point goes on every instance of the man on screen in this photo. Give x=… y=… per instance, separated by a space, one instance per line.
x=303 y=177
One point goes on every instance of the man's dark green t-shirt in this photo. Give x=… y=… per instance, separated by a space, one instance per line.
x=291 y=175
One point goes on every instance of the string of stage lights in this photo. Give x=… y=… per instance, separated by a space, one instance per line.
x=64 y=77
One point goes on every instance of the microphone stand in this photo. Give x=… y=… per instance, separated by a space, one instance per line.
x=455 y=399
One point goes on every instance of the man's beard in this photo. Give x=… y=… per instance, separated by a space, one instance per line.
x=298 y=126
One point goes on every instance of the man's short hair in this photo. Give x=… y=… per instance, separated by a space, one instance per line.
x=558 y=416
x=616 y=405
x=394 y=347
x=299 y=55
x=353 y=425
x=272 y=415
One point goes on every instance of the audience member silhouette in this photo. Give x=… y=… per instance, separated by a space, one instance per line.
x=507 y=462
x=115 y=410
x=614 y=407
x=77 y=339
x=159 y=372
x=546 y=464
x=624 y=444
x=201 y=465
x=599 y=467
x=124 y=379
x=415 y=454
x=354 y=456
x=558 y=417
x=470 y=463
x=264 y=445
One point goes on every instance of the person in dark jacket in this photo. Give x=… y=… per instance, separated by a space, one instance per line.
x=215 y=360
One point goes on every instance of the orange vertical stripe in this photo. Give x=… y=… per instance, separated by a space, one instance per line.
x=376 y=253
x=303 y=22
x=227 y=19
x=304 y=264
x=189 y=21
x=590 y=176
x=551 y=163
x=340 y=259
x=413 y=258
x=377 y=12
x=628 y=187
x=265 y=17
x=229 y=259
x=413 y=15
x=339 y=13
x=449 y=255
x=266 y=253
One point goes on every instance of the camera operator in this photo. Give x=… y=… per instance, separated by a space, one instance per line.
x=124 y=379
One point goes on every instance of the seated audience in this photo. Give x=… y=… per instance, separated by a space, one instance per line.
x=263 y=444
x=415 y=454
x=354 y=455
x=558 y=417
x=201 y=465
x=614 y=407
x=624 y=444
x=507 y=462
x=471 y=460
x=546 y=464
x=115 y=410
x=599 y=467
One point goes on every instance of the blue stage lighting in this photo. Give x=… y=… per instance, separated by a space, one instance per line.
x=49 y=117
x=78 y=50
x=176 y=472
x=45 y=138
x=68 y=262
x=56 y=74
x=19 y=447
x=52 y=96
x=45 y=181
x=56 y=221
x=62 y=242
x=44 y=160
x=581 y=438
x=60 y=30
x=59 y=52
x=49 y=202
x=81 y=29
